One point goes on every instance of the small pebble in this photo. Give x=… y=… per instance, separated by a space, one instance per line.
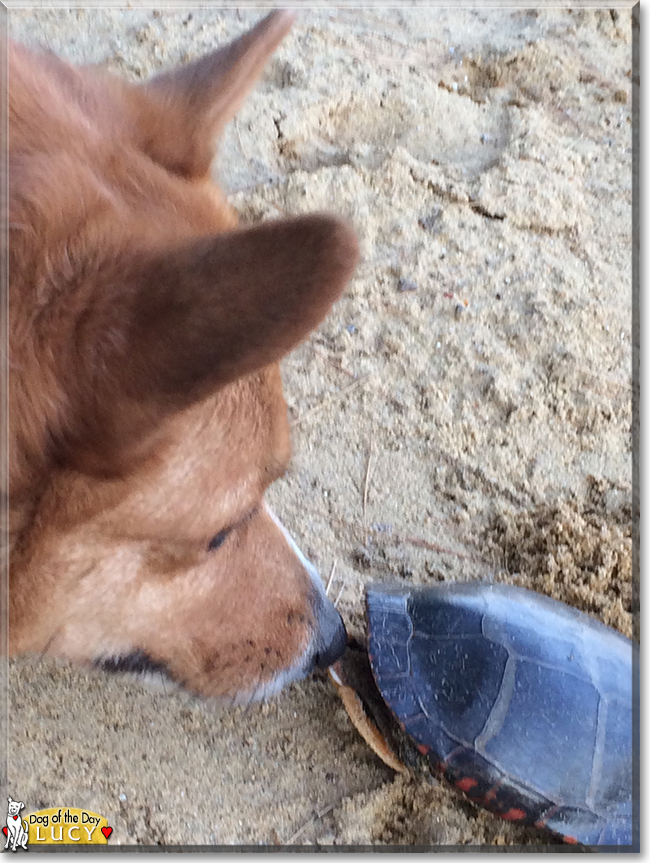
x=351 y=329
x=406 y=285
x=429 y=222
x=122 y=798
x=620 y=96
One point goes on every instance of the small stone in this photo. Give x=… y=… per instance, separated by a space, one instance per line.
x=361 y=557
x=429 y=222
x=122 y=798
x=620 y=96
x=406 y=285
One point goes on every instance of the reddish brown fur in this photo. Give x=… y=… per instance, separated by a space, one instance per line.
x=146 y=412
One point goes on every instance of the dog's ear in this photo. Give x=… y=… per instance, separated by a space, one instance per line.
x=225 y=306
x=184 y=110
x=175 y=326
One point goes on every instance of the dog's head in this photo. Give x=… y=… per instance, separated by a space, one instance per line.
x=14 y=806
x=146 y=410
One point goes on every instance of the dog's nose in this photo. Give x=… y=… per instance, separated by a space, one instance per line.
x=331 y=637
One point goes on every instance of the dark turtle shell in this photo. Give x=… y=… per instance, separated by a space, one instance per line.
x=523 y=703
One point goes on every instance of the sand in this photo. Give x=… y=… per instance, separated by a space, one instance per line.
x=463 y=413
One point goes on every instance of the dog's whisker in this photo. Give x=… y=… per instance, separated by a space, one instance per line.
x=252 y=697
x=49 y=642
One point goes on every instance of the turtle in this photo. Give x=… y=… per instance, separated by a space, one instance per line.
x=521 y=702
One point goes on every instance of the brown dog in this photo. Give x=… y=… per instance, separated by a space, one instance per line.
x=146 y=416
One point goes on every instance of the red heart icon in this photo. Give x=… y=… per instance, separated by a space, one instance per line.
x=107 y=831
x=15 y=818
x=4 y=830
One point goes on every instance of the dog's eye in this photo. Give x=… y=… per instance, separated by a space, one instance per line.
x=218 y=540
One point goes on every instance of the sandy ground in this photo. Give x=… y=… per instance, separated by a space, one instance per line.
x=464 y=412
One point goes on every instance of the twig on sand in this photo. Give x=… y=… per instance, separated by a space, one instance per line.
x=366 y=482
x=241 y=143
x=335 y=362
x=432 y=546
x=311 y=821
x=336 y=601
x=329 y=580
x=330 y=399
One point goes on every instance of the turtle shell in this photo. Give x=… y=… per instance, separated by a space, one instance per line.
x=523 y=703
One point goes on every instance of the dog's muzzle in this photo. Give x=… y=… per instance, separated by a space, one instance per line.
x=330 y=637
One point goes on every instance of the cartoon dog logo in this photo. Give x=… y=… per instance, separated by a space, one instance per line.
x=16 y=828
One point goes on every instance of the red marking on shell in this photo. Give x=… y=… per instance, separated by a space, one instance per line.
x=570 y=840
x=466 y=783
x=492 y=793
x=423 y=748
x=514 y=815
